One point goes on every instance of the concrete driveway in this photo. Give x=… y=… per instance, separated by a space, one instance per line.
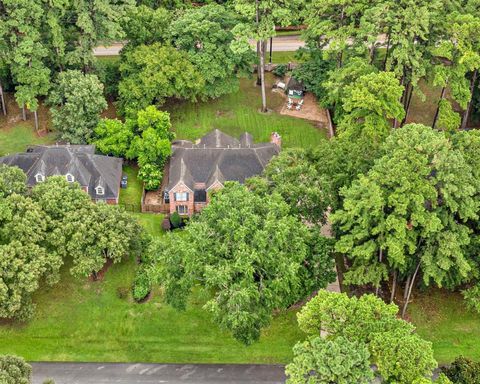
x=110 y=373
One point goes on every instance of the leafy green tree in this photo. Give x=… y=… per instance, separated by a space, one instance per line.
x=247 y=251
x=260 y=18
x=152 y=144
x=356 y=319
x=369 y=104
x=153 y=73
x=400 y=355
x=113 y=137
x=442 y=379
x=12 y=180
x=463 y=371
x=314 y=72
x=97 y=233
x=145 y=26
x=402 y=358
x=409 y=213
x=206 y=34
x=320 y=361
x=77 y=101
x=151 y=175
x=24 y=51
x=14 y=370
x=25 y=256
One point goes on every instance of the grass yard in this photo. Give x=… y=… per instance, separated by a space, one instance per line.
x=18 y=138
x=131 y=197
x=239 y=112
x=442 y=318
x=79 y=320
x=283 y=57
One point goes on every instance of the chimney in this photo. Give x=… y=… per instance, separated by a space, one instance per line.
x=276 y=139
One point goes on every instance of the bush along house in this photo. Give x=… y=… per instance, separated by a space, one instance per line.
x=98 y=175
x=197 y=168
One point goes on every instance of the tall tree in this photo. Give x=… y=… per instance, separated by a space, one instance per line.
x=249 y=254
x=153 y=73
x=12 y=180
x=24 y=51
x=206 y=34
x=408 y=215
x=260 y=18
x=77 y=101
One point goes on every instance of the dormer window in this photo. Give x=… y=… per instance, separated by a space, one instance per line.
x=100 y=190
x=70 y=178
x=39 y=178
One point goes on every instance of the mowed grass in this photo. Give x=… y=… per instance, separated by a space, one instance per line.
x=237 y=113
x=131 y=197
x=18 y=138
x=80 y=320
x=442 y=318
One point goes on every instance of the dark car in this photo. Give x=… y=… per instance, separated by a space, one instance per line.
x=124 y=181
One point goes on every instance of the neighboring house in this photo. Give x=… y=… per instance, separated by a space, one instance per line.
x=196 y=169
x=98 y=175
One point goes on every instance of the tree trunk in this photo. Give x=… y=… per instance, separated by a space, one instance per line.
x=437 y=112
x=259 y=79
x=469 y=105
x=395 y=121
x=262 y=77
x=24 y=113
x=387 y=52
x=412 y=283
x=394 y=286
x=407 y=106
x=380 y=259
x=271 y=49
x=407 y=283
x=372 y=53
x=35 y=115
x=2 y=100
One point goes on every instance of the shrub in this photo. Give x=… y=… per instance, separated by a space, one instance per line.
x=141 y=285
x=280 y=70
x=463 y=371
x=151 y=175
x=472 y=298
x=175 y=220
x=108 y=71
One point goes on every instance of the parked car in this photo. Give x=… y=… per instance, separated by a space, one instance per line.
x=124 y=182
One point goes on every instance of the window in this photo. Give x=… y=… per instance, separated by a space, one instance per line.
x=39 y=178
x=166 y=197
x=182 y=209
x=70 y=178
x=181 y=196
x=100 y=190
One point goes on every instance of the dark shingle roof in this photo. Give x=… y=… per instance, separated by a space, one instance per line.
x=218 y=158
x=80 y=161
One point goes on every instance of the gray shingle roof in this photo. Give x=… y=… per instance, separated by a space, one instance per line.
x=80 y=161
x=218 y=157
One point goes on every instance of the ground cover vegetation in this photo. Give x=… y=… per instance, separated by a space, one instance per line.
x=14 y=370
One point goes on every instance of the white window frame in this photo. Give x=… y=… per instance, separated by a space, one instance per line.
x=183 y=210
x=69 y=177
x=181 y=196
x=99 y=190
x=39 y=178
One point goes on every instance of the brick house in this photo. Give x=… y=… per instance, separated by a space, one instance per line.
x=98 y=175
x=197 y=168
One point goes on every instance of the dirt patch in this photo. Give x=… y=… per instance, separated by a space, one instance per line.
x=309 y=111
x=101 y=274
x=14 y=115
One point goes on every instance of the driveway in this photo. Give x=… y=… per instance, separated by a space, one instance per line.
x=110 y=373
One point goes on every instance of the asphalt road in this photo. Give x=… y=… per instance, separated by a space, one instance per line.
x=280 y=44
x=116 y=373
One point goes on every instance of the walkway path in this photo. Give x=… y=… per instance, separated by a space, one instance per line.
x=110 y=373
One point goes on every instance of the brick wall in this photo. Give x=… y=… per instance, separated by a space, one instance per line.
x=181 y=188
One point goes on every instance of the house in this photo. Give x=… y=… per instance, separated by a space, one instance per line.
x=197 y=168
x=98 y=175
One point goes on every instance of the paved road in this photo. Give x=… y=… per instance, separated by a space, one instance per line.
x=115 y=373
x=280 y=44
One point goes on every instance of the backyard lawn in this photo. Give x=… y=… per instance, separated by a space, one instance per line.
x=239 y=112
x=18 y=138
x=442 y=318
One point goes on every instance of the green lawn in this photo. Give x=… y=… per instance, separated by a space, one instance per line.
x=282 y=57
x=442 y=318
x=151 y=222
x=78 y=320
x=18 y=138
x=239 y=112
x=131 y=197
